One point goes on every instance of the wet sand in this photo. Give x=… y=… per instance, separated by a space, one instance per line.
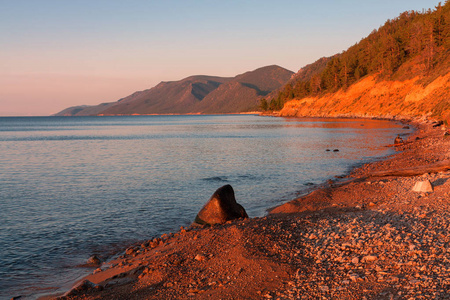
x=364 y=236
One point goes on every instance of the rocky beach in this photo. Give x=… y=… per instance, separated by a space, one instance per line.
x=331 y=123
x=379 y=233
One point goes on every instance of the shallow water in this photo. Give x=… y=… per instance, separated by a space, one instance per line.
x=71 y=187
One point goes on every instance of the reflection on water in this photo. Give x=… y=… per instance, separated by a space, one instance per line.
x=71 y=187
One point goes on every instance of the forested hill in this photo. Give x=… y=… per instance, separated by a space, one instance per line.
x=413 y=48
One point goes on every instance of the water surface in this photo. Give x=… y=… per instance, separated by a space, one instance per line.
x=75 y=186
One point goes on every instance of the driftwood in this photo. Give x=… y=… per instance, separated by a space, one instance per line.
x=399 y=144
x=440 y=166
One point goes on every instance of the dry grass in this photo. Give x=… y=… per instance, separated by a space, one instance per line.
x=372 y=98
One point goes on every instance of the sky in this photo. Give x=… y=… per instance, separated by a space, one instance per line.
x=60 y=53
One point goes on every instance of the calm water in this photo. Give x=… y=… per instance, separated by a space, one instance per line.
x=77 y=186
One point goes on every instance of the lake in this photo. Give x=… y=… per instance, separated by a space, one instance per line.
x=71 y=187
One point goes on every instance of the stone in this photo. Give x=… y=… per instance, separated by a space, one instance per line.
x=324 y=288
x=94 y=260
x=398 y=140
x=438 y=124
x=129 y=251
x=220 y=208
x=200 y=257
x=82 y=287
x=423 y=187
x=369 y=258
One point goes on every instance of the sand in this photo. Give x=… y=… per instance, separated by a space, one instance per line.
x=366 y=236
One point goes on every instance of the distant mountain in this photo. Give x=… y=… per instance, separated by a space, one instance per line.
x=195 y=94
x=84 y=110
x=243 y=92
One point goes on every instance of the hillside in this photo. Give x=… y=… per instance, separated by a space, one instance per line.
x=243 y=92
x=195 y=94
x=275 y=99
x=371 y=97
x=401 y=69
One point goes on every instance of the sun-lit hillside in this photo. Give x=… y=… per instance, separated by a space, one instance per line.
x=371 y=97
x=401 y=69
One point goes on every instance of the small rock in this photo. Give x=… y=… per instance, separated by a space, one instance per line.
x=324 y=288
x=129 y=251
x=94 y=260
x=200 y=257
x=370 y=258
x=423 y=187
x=398 y=140
x=393 y=279
x=83 y=287
x=437 y=124
x=355 y=260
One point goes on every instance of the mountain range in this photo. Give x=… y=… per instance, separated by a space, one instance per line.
x=195 y=95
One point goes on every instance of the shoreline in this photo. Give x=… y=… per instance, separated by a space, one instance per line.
x=176 y=263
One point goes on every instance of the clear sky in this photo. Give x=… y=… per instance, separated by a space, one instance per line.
x=60 y=53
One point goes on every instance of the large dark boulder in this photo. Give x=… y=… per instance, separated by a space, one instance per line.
x=220 y=208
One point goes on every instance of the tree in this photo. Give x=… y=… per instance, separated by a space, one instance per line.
x=439 y=25
x=263 y=104
x=316 y=82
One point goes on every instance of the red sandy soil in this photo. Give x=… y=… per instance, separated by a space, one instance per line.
x=367 y=236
